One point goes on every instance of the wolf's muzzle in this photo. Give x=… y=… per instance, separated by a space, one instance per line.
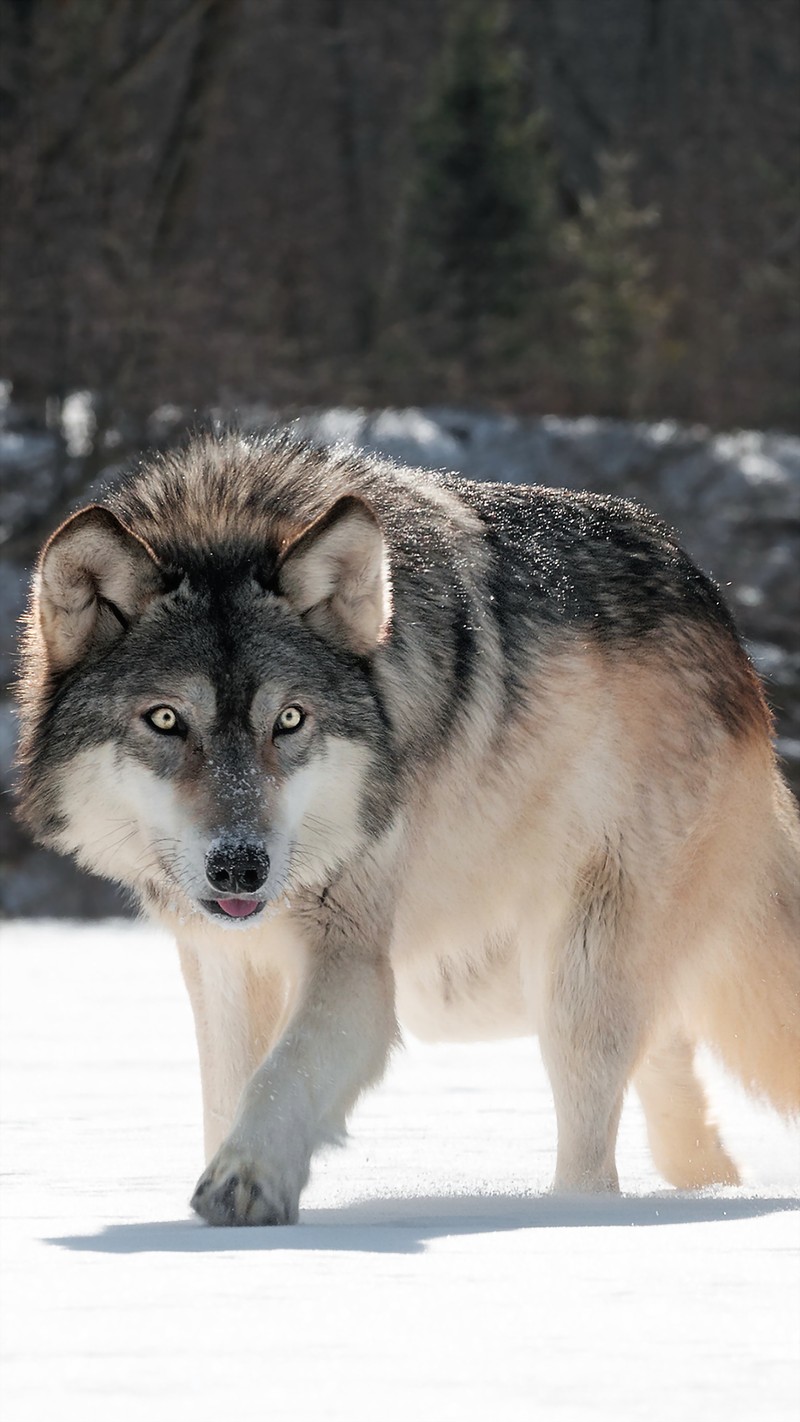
x=236 y=867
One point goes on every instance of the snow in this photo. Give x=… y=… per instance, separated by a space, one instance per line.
x=429 y=1276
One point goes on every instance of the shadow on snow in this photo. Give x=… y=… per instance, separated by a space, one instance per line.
x=406 y=1225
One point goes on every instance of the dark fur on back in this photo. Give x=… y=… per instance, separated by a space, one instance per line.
x=594 y=567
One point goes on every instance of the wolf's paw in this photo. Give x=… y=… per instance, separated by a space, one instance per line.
x=236 y=1189
x=706 y=1163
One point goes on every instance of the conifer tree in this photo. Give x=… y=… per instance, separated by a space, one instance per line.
x=619 y=316
x=482 y=212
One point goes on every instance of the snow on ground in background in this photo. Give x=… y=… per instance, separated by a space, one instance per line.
x=428 y=1278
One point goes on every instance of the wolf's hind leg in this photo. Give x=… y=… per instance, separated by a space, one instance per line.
x=589 y=1044
x=592 y=1024
x=684 y=1141
x=588 y=1078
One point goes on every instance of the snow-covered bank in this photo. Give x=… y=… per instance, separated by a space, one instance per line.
x=428 y=1276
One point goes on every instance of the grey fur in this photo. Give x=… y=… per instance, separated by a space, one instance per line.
x=445 y=636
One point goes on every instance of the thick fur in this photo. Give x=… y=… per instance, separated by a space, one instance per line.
x=534 y=790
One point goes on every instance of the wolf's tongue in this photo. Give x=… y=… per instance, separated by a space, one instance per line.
x=238 y=908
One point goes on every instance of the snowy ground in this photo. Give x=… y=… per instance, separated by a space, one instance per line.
x=428 y=1278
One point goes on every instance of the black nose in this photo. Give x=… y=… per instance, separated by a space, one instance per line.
x=235 y=868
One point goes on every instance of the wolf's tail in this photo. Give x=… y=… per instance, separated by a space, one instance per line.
x=749 y=1008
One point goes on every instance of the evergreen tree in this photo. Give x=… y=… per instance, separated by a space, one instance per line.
x=482 y=211
x=620 y=319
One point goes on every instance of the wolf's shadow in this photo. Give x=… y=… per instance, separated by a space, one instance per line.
x=405 y=1225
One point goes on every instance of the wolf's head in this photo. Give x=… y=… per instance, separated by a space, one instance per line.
x=204 y=734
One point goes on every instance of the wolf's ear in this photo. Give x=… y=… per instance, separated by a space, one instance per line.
x=95 y=577
x=336 y=575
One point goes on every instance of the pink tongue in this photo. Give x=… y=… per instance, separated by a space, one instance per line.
x=238 y=908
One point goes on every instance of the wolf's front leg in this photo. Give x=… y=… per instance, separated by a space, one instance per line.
x=337 y=1043
x=239 y=1008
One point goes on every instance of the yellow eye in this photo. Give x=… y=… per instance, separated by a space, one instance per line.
x=290 y=719
x=163 y=718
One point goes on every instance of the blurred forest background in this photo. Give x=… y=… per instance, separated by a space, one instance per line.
x=539 y=205
x=559 y=239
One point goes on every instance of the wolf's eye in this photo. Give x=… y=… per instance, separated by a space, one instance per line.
x=165 y=720
x=290 y=719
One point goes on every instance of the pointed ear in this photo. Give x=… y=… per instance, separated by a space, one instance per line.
x=336 y=575
x=95 y=577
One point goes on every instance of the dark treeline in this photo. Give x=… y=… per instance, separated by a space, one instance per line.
x=540 y=205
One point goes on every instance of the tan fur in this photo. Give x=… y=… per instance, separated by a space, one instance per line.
x=239 y=1007
x=498 y=818
x=683 y=1138
x=741 y=993
x=491 y=937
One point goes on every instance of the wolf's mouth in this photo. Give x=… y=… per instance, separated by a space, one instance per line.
x=232 y=908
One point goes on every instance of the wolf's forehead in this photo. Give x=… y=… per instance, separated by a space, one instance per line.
x=210 y=699
x=229 y=642
x=196 y=692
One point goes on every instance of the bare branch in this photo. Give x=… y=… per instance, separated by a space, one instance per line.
x=124 y=77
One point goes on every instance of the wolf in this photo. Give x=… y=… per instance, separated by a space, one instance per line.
x=381 y=746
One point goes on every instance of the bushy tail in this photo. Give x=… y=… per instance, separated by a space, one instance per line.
x=751 y=1003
